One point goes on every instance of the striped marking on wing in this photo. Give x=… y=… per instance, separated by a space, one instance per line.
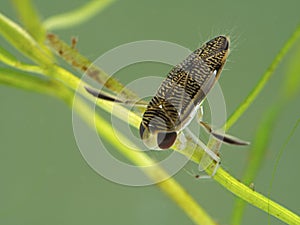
x=186 y=85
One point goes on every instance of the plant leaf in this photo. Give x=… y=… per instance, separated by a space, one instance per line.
x=77 y=16
x=291 y=85
x=263 y=81
x=30 y=19
x=23 y=42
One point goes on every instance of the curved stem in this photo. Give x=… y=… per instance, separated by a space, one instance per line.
x=172 y=188
x=30 y=19
x=262 y=82
x=63 y=77
x=77 y=16
x=256 y=199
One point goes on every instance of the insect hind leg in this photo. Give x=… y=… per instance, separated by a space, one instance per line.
x=226 y=138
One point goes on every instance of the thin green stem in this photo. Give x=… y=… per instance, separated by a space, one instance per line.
x=30 y=19
x=245 y=192
x=262 y=82
x=279 y=155
x=23 y=42
x=84 y=65
x=12 y=61
x=255 y=199
x=288 y=91
x=69 y=80
x=256 y=156
x=18 y=79
x=77 y=16
x=169 y=186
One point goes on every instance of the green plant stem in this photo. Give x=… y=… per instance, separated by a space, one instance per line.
x=256 y=156
x=72 y=82
x=19 y=79
x=76 y=17
x=69 y=80
x=10 y=60
x=278 y=157
x=232 y=184
x=83 y=65
x=255 y=199
x=30 y=19
x=169 y=186
x=221 y=176
x=64 y=80
x=23 y=42
x=262 y=82
x=289 y=89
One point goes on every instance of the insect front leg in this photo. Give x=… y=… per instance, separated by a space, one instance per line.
x=200 y=114
x=207 y=158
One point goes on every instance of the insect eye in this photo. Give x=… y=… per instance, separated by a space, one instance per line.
x=166 y=140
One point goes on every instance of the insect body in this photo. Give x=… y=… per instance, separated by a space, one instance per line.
x=181 y=94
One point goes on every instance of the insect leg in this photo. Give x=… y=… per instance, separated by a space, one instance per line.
x=107 y=97
x=200 y=114
x=207 y=158
x=226 y=138
x=222 y=137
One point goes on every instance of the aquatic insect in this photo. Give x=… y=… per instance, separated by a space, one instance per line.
x=180 y=95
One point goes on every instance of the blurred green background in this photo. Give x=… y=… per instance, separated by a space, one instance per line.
x=44 y=179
